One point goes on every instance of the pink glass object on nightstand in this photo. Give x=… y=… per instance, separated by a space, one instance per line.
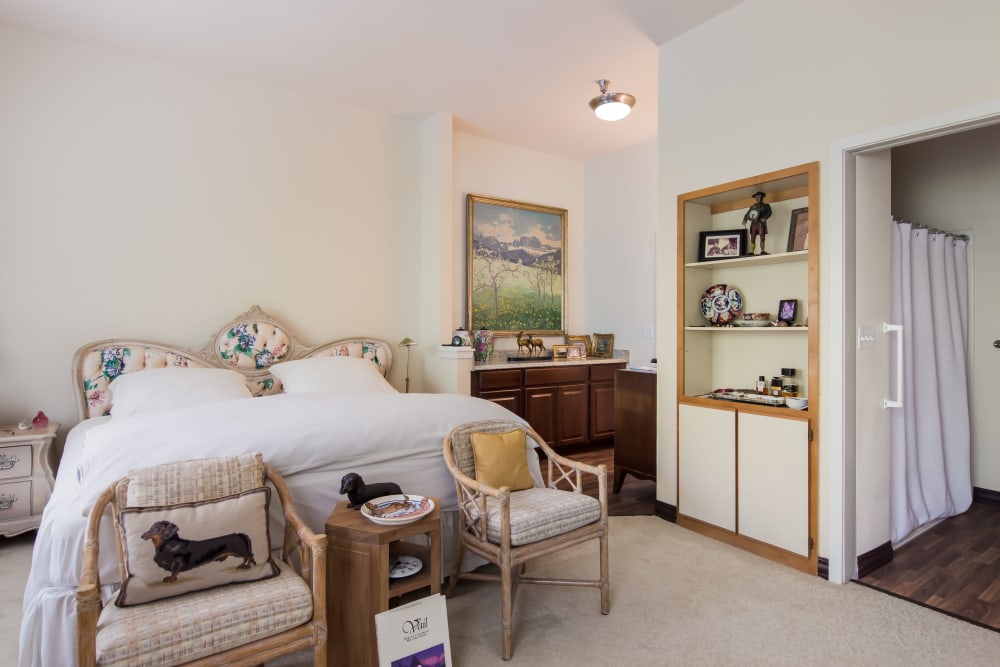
x=40 y=420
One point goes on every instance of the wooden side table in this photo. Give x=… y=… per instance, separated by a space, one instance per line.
x=25 y=476
x=358 y=586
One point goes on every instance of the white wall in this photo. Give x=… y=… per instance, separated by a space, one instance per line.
x=142 y=199
x=739 y=96
x=951 y=183
x=619 y=284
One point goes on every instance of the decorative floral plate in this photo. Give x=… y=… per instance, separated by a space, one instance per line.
x=720 y=304
x=405 y=566
x=397 y=510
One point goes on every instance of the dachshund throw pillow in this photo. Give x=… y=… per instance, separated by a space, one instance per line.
x=176 y=549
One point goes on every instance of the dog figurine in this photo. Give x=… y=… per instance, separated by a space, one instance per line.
x=358 y=493
x=175 y=554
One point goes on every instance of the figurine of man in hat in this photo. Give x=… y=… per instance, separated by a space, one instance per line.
x=757 y=216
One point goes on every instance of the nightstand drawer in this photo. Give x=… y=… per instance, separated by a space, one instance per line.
x=15 y=461
x=15 y=500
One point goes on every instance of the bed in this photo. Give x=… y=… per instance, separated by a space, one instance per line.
x=316 y=413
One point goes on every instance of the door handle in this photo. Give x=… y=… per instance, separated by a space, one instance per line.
x=898 y=330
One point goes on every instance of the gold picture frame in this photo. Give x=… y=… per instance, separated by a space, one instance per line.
x=560 y=351
x=604 y=346
x=583 y=340
x=516 y=266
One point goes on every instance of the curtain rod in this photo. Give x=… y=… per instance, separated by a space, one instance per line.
x=930 y=230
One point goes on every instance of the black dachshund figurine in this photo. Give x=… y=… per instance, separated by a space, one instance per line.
x=359 y=493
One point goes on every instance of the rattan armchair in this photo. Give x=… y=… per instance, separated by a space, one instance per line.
x=237 y=624
x=509 y=528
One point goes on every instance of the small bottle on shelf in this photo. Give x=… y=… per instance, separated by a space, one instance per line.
x=788 y=386
x=775 y=386
x=760 y=384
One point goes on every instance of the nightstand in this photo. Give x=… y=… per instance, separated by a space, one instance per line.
x=25 y=476
x=358 y=585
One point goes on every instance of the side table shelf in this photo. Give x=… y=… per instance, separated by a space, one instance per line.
x=359 y=553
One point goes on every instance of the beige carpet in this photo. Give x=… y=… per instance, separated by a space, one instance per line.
x=678 y=598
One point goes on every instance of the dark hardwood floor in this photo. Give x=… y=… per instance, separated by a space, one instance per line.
x=954 y=567
x=637 y=496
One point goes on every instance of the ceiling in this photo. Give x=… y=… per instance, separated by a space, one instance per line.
x=519 y=71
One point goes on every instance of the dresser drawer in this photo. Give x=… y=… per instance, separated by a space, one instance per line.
x=604 y=372
x=15 y=500
x=15 y=461
x=540 y=376
x=503 y=379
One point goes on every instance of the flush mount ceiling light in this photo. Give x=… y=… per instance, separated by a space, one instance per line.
x=611 y=106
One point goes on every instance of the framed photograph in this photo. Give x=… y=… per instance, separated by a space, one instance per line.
x=516 y=261
x=722 y=244
x=574 y=352
x=798 y=230
x=604 y=346
x=583 y=341
x=560 y=351
x=786 y=310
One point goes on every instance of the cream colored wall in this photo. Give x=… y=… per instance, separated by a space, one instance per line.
x=619 y=282
x=950 y=183
x=739 y=96
x=143 y=199
x=486 y=167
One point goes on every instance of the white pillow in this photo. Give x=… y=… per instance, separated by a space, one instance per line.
x=331 y=375
x=161 y=389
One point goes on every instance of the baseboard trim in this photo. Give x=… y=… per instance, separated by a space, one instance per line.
x=665 y=511
x=872 y=560
x=985 y=496
x=823 y=568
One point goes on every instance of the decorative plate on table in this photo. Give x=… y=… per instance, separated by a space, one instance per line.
x=720 y=304
x=397 y=510
x=405 y=566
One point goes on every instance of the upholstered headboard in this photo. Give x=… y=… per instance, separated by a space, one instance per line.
x=251 y=343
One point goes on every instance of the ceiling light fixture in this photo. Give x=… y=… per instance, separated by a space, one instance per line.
x=611 y=106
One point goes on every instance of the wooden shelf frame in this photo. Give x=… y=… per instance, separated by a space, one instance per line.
x=782 y=185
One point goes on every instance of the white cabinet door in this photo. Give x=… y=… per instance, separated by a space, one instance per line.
x=707 y=465
x=773 y=466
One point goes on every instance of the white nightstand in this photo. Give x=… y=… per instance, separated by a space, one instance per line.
x=25 y=476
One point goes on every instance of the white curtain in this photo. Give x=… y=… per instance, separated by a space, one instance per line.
x=931 y=473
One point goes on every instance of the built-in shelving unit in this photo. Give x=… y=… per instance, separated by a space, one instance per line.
x=747 y=473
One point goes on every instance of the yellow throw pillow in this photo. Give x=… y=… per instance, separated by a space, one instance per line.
x=502 y=460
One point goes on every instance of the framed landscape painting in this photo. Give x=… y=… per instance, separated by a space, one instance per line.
x=516 y=263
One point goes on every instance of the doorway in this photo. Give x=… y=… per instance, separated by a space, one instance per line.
x=857 y=474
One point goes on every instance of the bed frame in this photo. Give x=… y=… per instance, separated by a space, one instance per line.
x=250 y=343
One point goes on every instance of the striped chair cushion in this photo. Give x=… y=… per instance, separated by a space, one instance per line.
x=537 y=514
x=177 y=630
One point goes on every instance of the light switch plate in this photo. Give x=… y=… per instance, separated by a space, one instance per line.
x=866 y=338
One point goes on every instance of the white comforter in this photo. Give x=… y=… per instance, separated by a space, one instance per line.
x=312 y=439
x=295 y=432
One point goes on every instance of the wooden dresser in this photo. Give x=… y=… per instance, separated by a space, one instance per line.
x=635 y=425
x=567 y=402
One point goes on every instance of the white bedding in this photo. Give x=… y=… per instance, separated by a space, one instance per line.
x=312 y=439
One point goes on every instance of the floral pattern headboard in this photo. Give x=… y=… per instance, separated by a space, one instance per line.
x=250 y=344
